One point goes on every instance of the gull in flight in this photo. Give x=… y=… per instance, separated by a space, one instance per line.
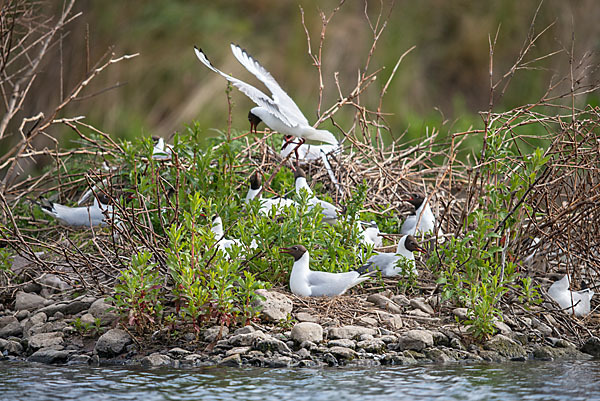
x=279 y=112
x=387 y=263
x=266 y=204
x=308 y=283
x=572 y=302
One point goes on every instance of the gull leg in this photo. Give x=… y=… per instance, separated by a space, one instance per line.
x=302 y=140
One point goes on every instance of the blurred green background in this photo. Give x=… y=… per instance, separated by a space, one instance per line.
x=443 y=83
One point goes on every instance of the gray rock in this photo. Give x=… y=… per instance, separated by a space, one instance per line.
x=101 y=310
x=112 y=343
x=457 y=344
x=384 y=303
x=541 y=326
x=238 y=350
x=275 y=306
x=367 y=321
x=271 y=344
x=505 y=347
x=461 y=313
x=46 y=340
x=503 y=327
x=28 y=301
x=303 y=353
x=212 y=334
x=79 y=359
x=350 y=332
x=88 y=318
x=22 y=314
x=418 y=313
x=375 y=346
x=393 y=322
x=11 y=347
x=307 y=331
x=244 y=330
x=388 y=338
x=51 y=284
x=343 y=353
x=156 y=359
x=306 y=317
x=309 y=345
x=401 y=300
x=232 y=360
x=342 y=342
x=49 y=355
x=178 y=352
x=592 y=346
x=10 y=327
x=280 y=362
x=415 y=340
x=242 y=340
x=439 y=356
x=421 y=305
x=440 y=338
x=365 y=337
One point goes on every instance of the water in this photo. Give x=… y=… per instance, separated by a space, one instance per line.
x=511 y=381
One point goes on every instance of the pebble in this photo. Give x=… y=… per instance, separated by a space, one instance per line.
x=307 y=331
x=421 y=305
x=112 y=343
x=350 y=331
x=28 y=301
x=156 y=359
x=275 y=306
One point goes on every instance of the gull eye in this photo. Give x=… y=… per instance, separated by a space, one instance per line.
x=295 y=248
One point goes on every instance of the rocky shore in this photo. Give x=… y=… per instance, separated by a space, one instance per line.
x=356 y=330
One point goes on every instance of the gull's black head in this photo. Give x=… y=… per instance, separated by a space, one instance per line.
x=105 y=199
x=410 y=243
x=255 y=181
x=295 y=250
x=416 y=200
x=299 y=173
x=254 y=121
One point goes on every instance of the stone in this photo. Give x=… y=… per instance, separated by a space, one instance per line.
x=11 y=347
x=88 y=319
x=350 y=332
x=280 y=362
x=393 y=322
x=440 y=338
x=238 y=350
x=457 y=344
x=274 y=307
x=306 y=317
x=52 y=284
x=232 y=360
x=592 y=346
x=244 y=330
x=49 y=355
x=28 y=301
x=22 y=314
x=112 y=343
x=384 y=303
x=212 y=334
x=46 y=340
x=178 y=352
x=503 y=327
x=309 y=345
x=156 y=359
x=541 y=326
x=461 y=313
x=79 y=359
x=421 y=305
x=103 y=311
x=271 y=344
x=388 y=338
x=10 y=327
x=242 y=340
x=415 y=340
x=307 y=331
x=368 y=321
x=401 y=300
x=439 y=356
x=342 y=353
x=375 y=346
x=505 y=347
x=365 y=337
x=342 y=342
x=417 y=313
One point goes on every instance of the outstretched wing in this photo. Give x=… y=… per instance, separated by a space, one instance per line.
x=254 y=94
x=281 y=98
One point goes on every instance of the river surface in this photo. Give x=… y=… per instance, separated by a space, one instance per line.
x=578 y=380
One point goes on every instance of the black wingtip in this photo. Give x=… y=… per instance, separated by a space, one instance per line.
x=364 y=268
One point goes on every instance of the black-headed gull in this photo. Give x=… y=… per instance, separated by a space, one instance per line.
x=388 y=264
x=330 y=212
x=305 y=152
x=370 y=235
x=572 y=302
x=422 y=214
x=309 y=283
x=278 y=112
x=223 y=243
x=161 y=151
x=266 y=204
x=99 y=214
